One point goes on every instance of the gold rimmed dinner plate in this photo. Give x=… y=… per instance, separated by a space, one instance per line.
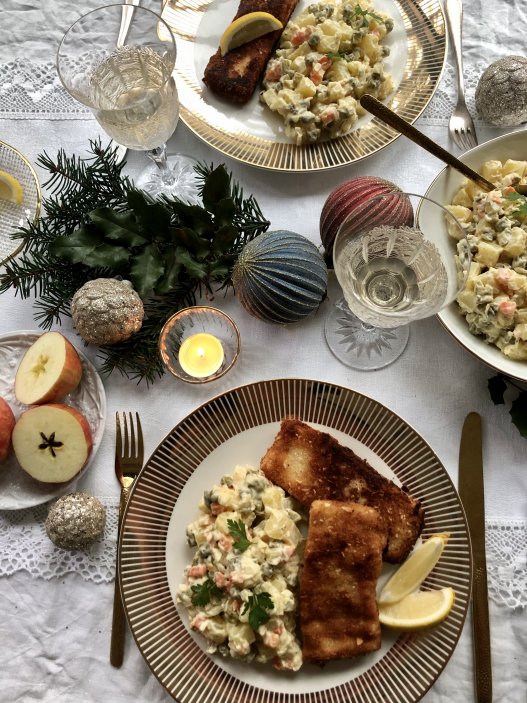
x=236 y=428
x=254 y=135
x=13 y=215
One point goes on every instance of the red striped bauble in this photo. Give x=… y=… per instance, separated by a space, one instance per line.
x=349 y=196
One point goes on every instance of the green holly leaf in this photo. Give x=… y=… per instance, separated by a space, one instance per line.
x=87 y=246
x=152 y=215
x=147 y=267
x=497 y=388
x=225 y=212
x=188 y=239
x=120 y=227
x=170 y=278
x=194 y=217
x=194 y=268
x=217 y=187
x=518 y=413
x=224 y=238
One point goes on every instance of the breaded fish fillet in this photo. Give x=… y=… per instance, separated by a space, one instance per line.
x=342 y=562
x=312 y=465
x=236 y=75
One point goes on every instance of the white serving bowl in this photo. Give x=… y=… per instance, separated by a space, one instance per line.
x=442 y=190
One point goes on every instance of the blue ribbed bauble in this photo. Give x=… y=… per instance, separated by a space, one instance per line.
x=280 y=277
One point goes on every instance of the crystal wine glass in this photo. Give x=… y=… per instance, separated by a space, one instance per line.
x=395 y=260
x=130 y=88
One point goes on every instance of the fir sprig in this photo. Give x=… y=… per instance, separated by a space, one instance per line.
x=96 y=224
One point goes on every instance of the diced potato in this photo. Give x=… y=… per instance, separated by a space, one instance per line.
x=516 y=351
x=473 y=273
x=306 y=20
x=370 y=46
x=306 y=88
x=462 y=213
x=520 y=331
x=272 y=497
x=488 y=253
x=513 y=166
x=462 y=198
x=329 y=27
x=222 y=518
x=517 y=243
x=328 y=43
x=491 y=171
x=467 y=300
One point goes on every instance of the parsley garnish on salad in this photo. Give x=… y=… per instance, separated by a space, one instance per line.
x=258 y=605
x=202 y=593
x=238 y=533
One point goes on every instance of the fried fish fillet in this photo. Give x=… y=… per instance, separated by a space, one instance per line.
x=311 y=465
x=236 y=75
x=342 y=562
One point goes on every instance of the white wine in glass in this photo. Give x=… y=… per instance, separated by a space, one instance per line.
x=130 y=88
x=394 y=260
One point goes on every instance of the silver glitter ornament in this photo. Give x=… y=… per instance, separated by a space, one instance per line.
x=106 y=311
x=75 y=521
x=501 y=93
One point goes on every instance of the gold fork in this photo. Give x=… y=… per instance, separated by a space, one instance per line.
x=128 y=463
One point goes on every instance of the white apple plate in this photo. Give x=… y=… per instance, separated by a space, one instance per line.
x=17 y=489
x=442 y=190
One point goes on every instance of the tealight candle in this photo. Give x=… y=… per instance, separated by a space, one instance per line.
x=201 y=355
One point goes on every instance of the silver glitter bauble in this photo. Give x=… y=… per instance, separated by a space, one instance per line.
x=75 y=521
x=501 y=93
x=107 y=311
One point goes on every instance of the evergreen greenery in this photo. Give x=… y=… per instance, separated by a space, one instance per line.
x=96 y=224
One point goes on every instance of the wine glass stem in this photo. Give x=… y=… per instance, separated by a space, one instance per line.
x=159 y=157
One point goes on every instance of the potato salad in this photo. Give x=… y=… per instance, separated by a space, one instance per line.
x=328 y=56
x=240 y=589
x=494 y=300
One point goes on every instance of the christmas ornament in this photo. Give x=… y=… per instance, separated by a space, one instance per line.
x=350 y=195
x=75 y=521
x=106 y=311
x=280 y=277
x=501 y=93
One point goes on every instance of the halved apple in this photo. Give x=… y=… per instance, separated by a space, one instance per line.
x=49 y=370
x=52 y=442
x=7 y=422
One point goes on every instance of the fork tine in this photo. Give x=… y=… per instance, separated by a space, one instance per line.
x=132 y=437
x=140 y=446
x=118 y=437
x=126 y=450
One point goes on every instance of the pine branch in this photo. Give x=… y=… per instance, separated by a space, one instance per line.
x=97 y=225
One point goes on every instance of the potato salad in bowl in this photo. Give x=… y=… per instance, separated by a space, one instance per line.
x=240 y=589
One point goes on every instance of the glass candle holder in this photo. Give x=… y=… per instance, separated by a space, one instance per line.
x=199 y=344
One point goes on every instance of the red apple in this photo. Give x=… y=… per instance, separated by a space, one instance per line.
x=49 y=370
x=52 y=442
x=349 y=196
x=7 y=422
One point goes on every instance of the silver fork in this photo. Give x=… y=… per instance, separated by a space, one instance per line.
x=461 y=125
x=129 y=451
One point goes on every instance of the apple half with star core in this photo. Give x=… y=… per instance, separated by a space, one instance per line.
x=52 y=443
x=49 y=370
x=7 y=422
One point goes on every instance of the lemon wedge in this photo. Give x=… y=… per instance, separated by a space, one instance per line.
x=418 y=610
x=10 y=188
x=246 y=28
x=411 y=574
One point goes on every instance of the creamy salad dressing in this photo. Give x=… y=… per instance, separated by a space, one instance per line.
x=240 y=590
x=494 y=300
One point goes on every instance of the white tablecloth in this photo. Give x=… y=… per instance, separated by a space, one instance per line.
x=56 y=606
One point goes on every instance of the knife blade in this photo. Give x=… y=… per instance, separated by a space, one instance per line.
x=471 y=492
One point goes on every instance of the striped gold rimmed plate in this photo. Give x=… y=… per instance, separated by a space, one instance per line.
x=254 y=135
x=236 y=427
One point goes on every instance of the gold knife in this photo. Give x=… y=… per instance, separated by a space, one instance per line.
x=472 y=496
